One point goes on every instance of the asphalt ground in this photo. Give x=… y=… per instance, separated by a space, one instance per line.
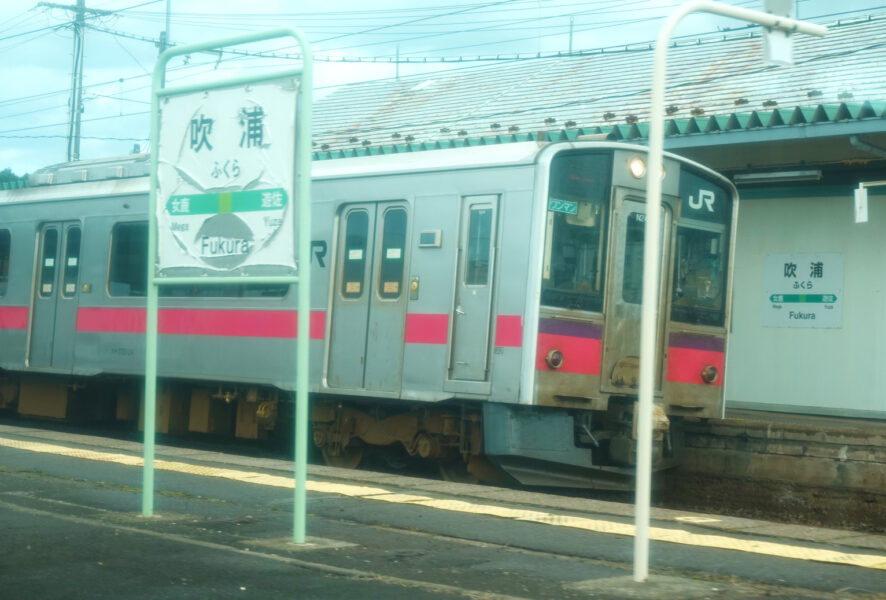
x=70 y=517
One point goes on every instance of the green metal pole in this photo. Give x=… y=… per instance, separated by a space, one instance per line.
x=302 y=229
x=149 y=403
x=302 y=185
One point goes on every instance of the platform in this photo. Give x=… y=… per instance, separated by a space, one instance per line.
x=70 y=515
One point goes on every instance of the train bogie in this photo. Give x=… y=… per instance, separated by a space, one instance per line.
x=476 y=306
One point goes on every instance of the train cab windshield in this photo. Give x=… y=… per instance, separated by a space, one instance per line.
x=575 y=238
x=701 y=252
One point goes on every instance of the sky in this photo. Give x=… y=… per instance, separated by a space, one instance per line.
x=351 y=41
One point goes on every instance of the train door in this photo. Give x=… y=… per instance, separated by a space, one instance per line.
x=621 y=349
x=54 y=319
x=369 y=300
x=469 y=355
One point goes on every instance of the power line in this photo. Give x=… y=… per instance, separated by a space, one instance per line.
x=93 y=119
x=339 y=15
x=120 y=10
x=23 y=41
x=80 y=11
x=248 y=55
x=118 y=98
x=437 y=16
x=85 y=137
x=79 y=26
x=63 y=25
x=26 y=15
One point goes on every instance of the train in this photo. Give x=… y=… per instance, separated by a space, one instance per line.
x=478 y=307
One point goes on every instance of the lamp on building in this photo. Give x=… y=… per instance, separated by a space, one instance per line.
x=777 y=177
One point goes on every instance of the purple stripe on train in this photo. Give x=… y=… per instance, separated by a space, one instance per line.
x=697 y=342
x=570 y=328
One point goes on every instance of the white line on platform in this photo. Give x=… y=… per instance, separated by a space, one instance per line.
x=661 y=534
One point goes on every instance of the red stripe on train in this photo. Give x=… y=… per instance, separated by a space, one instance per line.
x=434 y=329
x=13 y=317
x=685 y=365
x=509 y=331
x=111 y=320
x=426 y=328
x=183 y=321
x=580 y=354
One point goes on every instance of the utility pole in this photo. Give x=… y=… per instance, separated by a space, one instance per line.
x=79 y=11
x=164 y=35
x=571 y=21
x=77 y=83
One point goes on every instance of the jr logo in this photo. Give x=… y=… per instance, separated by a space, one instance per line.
x=705 y=198
x=318 y=249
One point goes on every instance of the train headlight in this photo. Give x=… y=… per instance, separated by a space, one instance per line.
x=709 y=374
x=637 y=167
x=554 y=359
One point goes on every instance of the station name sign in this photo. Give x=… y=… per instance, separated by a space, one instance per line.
x=224 y=179
x=803 y=290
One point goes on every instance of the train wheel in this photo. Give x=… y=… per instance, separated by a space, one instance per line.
x=345 y=458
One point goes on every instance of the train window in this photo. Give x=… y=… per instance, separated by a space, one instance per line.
x=258 y=290
x=356 y=232
x=255 y=290
x=575 y=239
x=632 y=273
x=71 y=269
x=47 y=268
x=128 y=274
x=479 y=233
x=393 y=248
x=5 y=245
x=699 y=277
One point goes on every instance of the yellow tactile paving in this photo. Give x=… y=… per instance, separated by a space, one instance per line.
x=660 y=534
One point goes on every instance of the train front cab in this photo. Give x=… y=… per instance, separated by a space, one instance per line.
x=581 y=340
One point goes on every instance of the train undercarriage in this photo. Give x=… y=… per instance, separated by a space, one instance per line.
x=467 y=441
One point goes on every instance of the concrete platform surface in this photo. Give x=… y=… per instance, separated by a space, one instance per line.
x=70 y=513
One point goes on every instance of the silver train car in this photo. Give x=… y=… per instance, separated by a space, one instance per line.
x=477 y=306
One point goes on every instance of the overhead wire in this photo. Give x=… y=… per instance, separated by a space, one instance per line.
x=66 y=123
x=244 y=56
x=435 y=16
x=26 y=15
x=82 y=137
x=15 y=35
x=505 y=25
x=359 y=15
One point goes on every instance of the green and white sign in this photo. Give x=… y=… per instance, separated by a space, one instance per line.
x=224 y=197
x=803 y=290
x=563 y=206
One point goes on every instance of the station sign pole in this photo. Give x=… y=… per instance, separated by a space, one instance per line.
x=652 y=250
x=230 y=205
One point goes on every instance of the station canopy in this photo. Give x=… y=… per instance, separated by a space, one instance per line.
x=717 y=86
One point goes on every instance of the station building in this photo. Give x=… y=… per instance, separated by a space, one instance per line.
x=809 y=307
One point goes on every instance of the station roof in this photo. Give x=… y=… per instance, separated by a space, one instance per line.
x=717 y=85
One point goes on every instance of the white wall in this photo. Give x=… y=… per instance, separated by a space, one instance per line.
x=815 y=371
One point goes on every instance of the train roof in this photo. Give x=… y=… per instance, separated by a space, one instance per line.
x=139 y=165
x=130 y=175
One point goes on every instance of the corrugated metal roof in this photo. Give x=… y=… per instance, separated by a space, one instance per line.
x=715 y=83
